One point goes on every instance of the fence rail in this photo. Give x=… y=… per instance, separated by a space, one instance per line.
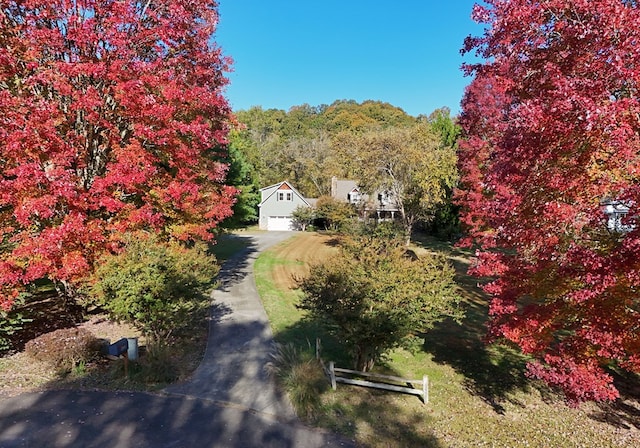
x=408 y=388
x=383 y=382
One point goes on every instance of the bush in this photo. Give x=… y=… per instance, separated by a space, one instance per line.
x=386 y=230
x=155 y=286
x=375 y=294
x=334 y=215
x=303 y=217
x=11 y=322
x=300 y=375
x=65 y=348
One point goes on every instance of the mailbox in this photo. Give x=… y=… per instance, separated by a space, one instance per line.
x=119 y=348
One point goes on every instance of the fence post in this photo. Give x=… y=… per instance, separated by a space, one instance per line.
x=317 y=348
x=332 y=373
x=425 y=389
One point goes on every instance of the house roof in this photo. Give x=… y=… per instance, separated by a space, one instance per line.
x=343 y=188
x=340 y=189
x=284 y=185
x=275 y=185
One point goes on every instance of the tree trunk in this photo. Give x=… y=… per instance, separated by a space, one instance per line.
x=364 y=359
x=408 y=229
x=66 y=291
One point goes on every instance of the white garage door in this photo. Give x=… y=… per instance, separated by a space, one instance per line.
x=279 y=223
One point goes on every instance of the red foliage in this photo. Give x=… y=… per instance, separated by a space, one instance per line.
x=552 y=125
x=110 y=113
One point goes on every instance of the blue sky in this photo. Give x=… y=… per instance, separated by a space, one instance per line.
x=291 y=52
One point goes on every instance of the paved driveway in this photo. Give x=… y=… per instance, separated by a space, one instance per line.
x=229 y=401
x=240 y=339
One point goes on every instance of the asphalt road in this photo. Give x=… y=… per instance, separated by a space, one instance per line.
x=123 y=420
x=228 y=402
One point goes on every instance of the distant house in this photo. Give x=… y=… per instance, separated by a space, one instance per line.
x=346 y=190
x=380 y=205
x=616 y=211
x=277 y=205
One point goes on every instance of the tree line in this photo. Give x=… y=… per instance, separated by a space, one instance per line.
x=374 y=143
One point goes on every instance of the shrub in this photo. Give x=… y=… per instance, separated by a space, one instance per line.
x=65 y=348
x=386 y=230
x=300 y=375
x=303 y=217
x=334 y=215
x=375 y=294
x=153 y=285
x=11 y=322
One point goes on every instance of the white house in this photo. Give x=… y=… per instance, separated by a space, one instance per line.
x=616 y=211
x=277 y=204
x=381 y=204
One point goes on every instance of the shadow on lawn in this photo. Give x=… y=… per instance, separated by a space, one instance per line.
x=493 y=372
x=303 y=334
x=624 y=413
x=374 y=417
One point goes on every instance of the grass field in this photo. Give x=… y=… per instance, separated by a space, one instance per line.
x=479 y=394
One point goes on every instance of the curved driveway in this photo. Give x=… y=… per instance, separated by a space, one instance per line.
x=228 y=402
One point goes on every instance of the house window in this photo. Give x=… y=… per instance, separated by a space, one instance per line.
x=383 y=198
x=354 y=197
x=285 y=196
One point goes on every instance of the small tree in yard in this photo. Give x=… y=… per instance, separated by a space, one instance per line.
x=335 y=214
x=373 y=297
x=153 y=285
x=303 y=216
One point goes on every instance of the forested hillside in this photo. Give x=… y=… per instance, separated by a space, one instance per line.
x=305 y=145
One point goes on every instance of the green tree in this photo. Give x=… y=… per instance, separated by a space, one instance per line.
x=303 y=216
x=373 y=296
x=359 y=117
x=302 y=121
x=446 y=222
x=444 y=125
x=334 y=215
x=305 y=162
x=243 y=176
x=262 y=124
x=263 y=133
x=410 y=163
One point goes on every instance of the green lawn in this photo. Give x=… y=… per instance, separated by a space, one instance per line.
x=479 y=394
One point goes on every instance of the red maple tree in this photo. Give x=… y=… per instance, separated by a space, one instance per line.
x=552 y=135
x=111 y=120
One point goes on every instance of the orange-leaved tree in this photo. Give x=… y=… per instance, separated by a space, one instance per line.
x=552 y=136
x=112 y=119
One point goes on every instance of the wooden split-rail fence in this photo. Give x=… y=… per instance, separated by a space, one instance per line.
x=375 y=380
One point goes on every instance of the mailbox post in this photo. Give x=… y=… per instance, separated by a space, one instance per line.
x=121 y=348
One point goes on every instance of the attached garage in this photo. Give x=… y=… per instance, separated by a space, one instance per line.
x=278 y=204
x=277 y=223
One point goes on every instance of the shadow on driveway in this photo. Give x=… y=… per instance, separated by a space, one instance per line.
x=120 y=419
